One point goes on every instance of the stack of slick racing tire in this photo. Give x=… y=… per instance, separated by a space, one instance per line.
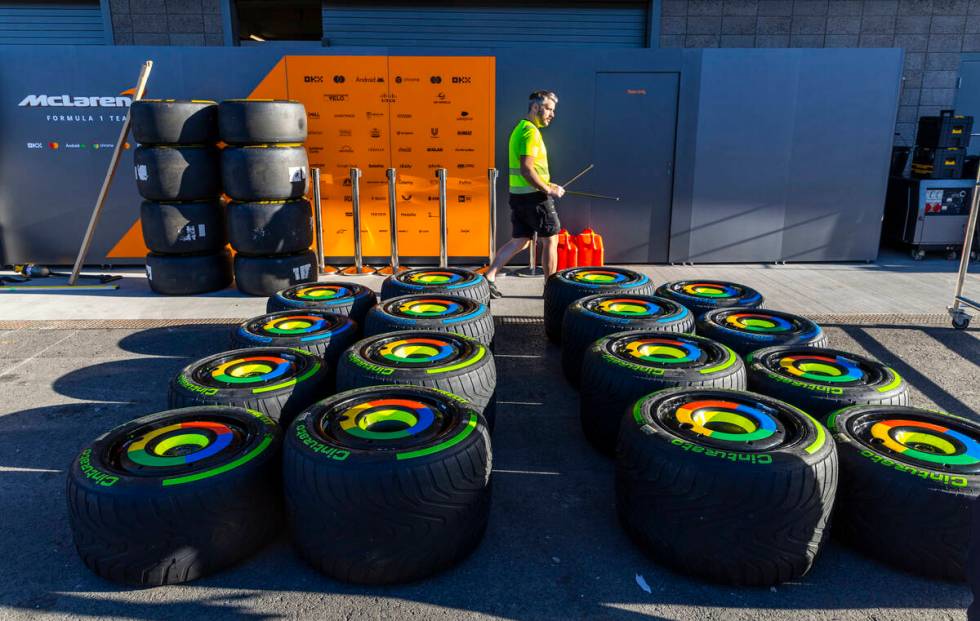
x=264 y=169
x=177 y=174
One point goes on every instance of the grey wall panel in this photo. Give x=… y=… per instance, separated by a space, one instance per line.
x=510 y=23
x=842 y=132
x=968 y=95
x=51 y=23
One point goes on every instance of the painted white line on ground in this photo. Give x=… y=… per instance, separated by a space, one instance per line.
x=554 y=474
x=36 y=354
x=15 y=469
x=518 y=403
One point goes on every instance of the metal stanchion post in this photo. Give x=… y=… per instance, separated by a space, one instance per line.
x=358 y=268
x=322 y=267
x=443 y=225
x=492 y=196
x=532 y=270
x=393 y=267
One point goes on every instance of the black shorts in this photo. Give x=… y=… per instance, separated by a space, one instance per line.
x=533 y=213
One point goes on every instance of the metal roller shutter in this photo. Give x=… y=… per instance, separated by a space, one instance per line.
x=51 y=23
x=500 y=24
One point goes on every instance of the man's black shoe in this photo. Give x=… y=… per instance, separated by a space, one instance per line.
x=494 y=291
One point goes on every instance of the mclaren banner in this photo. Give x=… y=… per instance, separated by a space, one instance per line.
x=61 y=111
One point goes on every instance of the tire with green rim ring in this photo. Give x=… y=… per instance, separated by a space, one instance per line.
x=277 y=381
x=361 y=461
x=909 y=480
x=443 y=313
x=819 y=380
x=596 y=316
x=565 y=286
x=324 y=334
x=701 y=296
x=439 y=280
x=730 y=486
x=174 y=496
x=622 y=367
x=747 y=329
x=443 y=360
x=343 y=298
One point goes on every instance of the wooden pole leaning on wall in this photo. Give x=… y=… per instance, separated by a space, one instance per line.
x=107 y=181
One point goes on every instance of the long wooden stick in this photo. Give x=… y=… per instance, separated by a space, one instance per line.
x=113 y=164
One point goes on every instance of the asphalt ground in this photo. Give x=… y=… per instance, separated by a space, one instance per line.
x=553 y=549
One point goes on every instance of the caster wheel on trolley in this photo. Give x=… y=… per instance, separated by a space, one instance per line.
x=961 y=323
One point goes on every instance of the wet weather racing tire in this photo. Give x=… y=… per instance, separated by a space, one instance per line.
x=242 y=121
x=188 y=274
x=325 y=334
x=177 y=173
x=819 y=381
x=276 y=381
x=338 y=297
x=442 y=313
x=177 y=495
x=730 y=486
x=387 y=484
x=441 y=280
x=909 y=479
x=596 y=316
x=265 y=172
x=565 y=286
x=270 y=227
x=701 y=296
x=619 y=369
x=183 y=228
x=442 y=360
x=748 y=329
x=174 y=121
x=265 y=276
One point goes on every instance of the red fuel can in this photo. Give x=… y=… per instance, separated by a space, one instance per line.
x=590 y=249
x=567 y=250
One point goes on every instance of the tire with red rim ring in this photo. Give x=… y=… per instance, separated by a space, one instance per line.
x=324 y=334
x=565 y=286
x=277 y=381
x=701 y=296
x=343 y=298
x=175 y=496
x=747 y=329
x=909 y=480
x=438 y=280
x=726 y=485
x=441 y=360
x=361 y=461
x=443 y=313
x=819 y=380
x=596 y=316
x=620 y=368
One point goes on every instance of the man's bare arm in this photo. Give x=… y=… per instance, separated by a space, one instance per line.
x=528 y=172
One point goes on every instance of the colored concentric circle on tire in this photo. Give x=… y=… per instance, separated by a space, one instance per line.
x=434 y=277
x=674 y=351
x=635 y=307
x=714 y=290
x=603 y=276
x=760 y=321
x=434 y=352
x=305 y=325
x=323 y=293
x=449 y=310
x=260 y=370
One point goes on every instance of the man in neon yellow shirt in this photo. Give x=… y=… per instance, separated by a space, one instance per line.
x=532 y=195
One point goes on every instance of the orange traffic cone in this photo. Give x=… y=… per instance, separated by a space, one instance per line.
x=567 y=250
x=590 y=249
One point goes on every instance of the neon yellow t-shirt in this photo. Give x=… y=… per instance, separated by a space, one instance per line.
x=526 y=140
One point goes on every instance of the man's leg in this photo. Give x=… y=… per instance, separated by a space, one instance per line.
x=504 y=255
x=549 y=255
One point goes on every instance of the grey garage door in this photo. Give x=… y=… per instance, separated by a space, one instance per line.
x=63 y=22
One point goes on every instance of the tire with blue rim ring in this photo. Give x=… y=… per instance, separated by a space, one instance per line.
x=701 y=296
x=726 y=485
x=335 y=296
x=596 y=316
x=444 y=313
x=276 y=381
x=819 y=380
x=620 y=368
x=324 y=334
x=565 y=286
x=442 y=360
x=748 y=329
x=909 y=479
x=362 y=461
x=433 y=280
x=174 y=496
